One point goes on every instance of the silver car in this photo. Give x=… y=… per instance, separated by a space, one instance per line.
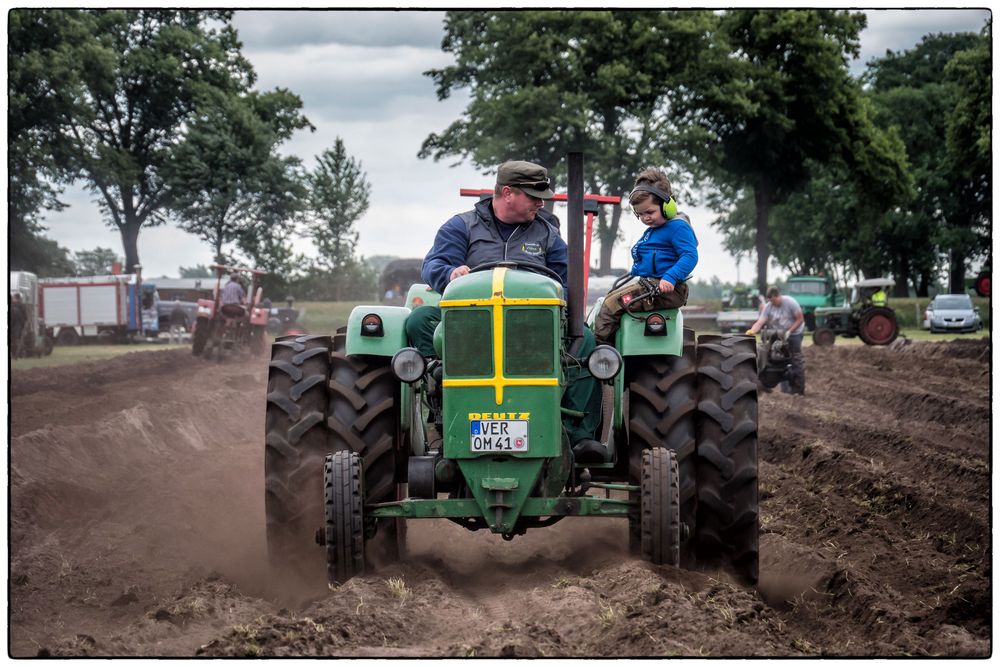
x=952 y=312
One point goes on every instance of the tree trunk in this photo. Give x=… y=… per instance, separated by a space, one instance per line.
x=762 y=201
x=924 y=284
x=130 y=244
x=901 y=274
x=607 y=234
x=956 y=273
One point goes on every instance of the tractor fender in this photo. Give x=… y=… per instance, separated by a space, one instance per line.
x=633 y=341
x=393 y=334
x=421 y=294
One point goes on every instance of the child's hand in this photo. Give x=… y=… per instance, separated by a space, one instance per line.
x=666 y=286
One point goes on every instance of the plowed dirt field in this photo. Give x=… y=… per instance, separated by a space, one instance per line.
x=137 y=529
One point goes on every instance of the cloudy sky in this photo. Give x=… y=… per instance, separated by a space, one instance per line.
x=360 y=77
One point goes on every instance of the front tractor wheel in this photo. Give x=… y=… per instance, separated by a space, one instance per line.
x=345 y=532
x=662 y=405
x=363 y=417
x=660 y=507
x=878 y=326
x=295 y=448
x=727 y=525
x=824 y=337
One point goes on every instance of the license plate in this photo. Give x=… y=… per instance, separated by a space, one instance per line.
x=498 y=435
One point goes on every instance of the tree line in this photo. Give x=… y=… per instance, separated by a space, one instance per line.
x=753 y=113
x=154 y=112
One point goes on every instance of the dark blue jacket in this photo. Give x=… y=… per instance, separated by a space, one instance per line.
x=668 y=252
x=452 y=247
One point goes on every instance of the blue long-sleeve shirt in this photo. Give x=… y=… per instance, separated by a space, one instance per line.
x=668 y=252
x=451 y=248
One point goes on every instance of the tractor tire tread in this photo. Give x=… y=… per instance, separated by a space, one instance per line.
x=727 y=527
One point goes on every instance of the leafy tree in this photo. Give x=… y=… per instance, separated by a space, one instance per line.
x=96 y=262
x=196 y=271
x=226 y=175
x=338 y=196
x=543 y=83
x=38 y=42
x=132 y=85
x=29 y=251
x=912 y=93
x=774 y=93
x=354 y=280
x=969 y=155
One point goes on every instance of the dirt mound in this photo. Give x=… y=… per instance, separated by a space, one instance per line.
x=136 y=529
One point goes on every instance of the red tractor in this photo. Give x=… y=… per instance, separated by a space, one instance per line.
x=231 y=326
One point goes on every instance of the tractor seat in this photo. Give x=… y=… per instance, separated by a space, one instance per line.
x=233 y=310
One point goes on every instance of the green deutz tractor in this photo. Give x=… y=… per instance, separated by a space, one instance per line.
x=363 y=434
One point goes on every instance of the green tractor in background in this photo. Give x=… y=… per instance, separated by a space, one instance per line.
x=871 y=320
x=812 y=292
x=364 y=434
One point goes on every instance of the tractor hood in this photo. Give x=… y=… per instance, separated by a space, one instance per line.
x=510 y=284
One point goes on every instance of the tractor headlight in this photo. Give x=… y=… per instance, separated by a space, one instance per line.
x=604 y=362
x=656 y=325
x=371 y=325
x=408 y=364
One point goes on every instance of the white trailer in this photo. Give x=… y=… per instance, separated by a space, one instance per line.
x=74 y=308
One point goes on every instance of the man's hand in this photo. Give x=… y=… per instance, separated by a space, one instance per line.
x=459 y=271
x=751 y=332
x=666 y=286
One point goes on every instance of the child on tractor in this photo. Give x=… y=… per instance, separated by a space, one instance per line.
x=662 y=259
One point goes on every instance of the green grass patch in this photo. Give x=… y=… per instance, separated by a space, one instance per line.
x=324 y=317
x=75 y=354
x=911 y=333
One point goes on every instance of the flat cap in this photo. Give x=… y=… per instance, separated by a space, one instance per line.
x=530 y=178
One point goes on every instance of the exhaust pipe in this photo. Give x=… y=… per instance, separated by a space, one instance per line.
x=574 y=222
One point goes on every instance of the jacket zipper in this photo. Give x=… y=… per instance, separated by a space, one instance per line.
x=510 y=237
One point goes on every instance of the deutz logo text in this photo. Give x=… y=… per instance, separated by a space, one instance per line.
x=499 y=415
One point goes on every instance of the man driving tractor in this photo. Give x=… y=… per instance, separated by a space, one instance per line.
x=512 y=225
x=233 y=297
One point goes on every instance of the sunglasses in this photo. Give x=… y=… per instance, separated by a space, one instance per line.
x=534 y=185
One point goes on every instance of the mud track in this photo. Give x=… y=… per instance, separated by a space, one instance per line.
x=136 y=529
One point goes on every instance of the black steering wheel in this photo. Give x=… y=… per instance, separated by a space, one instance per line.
x=540 y=269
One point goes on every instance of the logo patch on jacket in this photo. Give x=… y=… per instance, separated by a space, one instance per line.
x=532 y=248
x=627 y=298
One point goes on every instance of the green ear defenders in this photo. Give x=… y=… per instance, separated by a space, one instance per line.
x=669 y=204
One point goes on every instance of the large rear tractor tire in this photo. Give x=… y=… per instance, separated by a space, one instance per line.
x=363 y=417
x=727 y=529
x=345 y=531
x=295 y=448
x=878 y=326
x=982 y=284
x=660 y=507
x=202 y=330
x=663 y=400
